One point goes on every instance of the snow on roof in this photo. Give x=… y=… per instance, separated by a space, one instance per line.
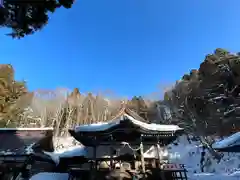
x=65 y=153
x=25 y=129
x=72 y=151
x=227 y=142
x=102 y=126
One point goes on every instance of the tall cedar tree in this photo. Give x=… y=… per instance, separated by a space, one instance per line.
x=25 y=17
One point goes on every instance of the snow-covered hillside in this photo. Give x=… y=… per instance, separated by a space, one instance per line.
x=190 y=154
x=184 y=152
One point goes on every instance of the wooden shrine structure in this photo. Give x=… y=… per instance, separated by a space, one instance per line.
x=125 y=129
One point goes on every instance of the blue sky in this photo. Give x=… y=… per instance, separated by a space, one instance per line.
x=126 y=46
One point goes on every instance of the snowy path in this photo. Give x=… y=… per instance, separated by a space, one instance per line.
x=50 y=176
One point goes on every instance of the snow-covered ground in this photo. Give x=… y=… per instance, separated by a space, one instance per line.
x=184 y=152
x=190 y=154
x=50 y=176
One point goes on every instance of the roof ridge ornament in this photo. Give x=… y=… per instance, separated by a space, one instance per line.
x=121 y=111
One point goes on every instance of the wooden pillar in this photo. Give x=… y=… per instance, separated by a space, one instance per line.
x=159 y=159
x=95 y=157
x=135 y=161
x=157 y=147
x=142 y=156
x=111 y=155
x=185 y=174
x=94 y=164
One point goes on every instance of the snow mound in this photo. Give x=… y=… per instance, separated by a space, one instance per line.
x=50 y=176
x=66 y=147
x=67 y=152
x=64 y=143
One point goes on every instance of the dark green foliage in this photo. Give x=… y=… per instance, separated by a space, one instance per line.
x=26 y=17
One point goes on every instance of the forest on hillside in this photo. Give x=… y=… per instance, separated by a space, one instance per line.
x=204 y=101
x=62 y=108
